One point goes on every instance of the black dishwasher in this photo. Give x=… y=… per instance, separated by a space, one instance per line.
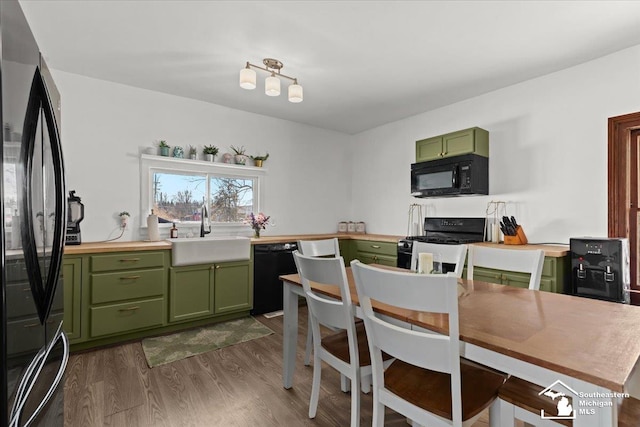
x=269 y=263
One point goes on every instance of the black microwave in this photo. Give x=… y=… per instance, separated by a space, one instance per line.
x=452 y=176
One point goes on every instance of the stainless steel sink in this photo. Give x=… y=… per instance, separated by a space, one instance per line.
x=204 y=250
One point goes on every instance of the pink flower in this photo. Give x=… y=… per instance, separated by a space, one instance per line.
x=257 y=222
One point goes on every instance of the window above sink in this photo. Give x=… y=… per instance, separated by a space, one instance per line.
x=175 y=190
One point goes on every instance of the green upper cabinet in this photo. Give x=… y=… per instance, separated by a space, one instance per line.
x=474 y=140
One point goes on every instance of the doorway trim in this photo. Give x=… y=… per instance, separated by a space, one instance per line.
x=620 y=186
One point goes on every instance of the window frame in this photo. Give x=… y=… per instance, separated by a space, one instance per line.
x=150 y=164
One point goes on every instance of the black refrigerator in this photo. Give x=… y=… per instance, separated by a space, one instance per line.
x=33 y=347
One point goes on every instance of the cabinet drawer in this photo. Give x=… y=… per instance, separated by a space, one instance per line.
x=22 y=300
x=376 y=259
x=383 y=248
x=27 y=334
x=126 y=261
x=118 y=318
x=130 y=284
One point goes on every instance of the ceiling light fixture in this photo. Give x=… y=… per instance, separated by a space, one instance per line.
x=271 y=83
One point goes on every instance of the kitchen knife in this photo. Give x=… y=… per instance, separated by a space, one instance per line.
x=513 y=221
x=503 y=229
x=511 y=231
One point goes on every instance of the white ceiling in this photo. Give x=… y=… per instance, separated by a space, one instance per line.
x=361 y=63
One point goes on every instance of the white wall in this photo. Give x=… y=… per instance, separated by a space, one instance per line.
x=105 y=126
x=548 y=152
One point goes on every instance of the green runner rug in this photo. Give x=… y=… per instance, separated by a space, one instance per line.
x=169 y=348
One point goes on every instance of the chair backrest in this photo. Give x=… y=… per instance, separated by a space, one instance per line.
x=450 y=254
x=326 y=271
x=430 y=293
x=518 y=260
x=325 y=247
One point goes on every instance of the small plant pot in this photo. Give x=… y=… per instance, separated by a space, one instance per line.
x=258 y=163
x=193 y=156
x=240 y=159
x=209 y=157
x=164 y=151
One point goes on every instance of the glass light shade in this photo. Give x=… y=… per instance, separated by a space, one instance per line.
x=247 y=78
x=272 y=86
x=295 y=93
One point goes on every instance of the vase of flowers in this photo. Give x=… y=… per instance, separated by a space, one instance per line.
x=257 y=222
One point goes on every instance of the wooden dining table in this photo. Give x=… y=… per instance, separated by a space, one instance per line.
x=591 y=346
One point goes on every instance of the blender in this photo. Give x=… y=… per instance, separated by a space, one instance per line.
x=75 y=214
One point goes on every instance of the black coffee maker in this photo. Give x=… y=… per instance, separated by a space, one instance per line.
x=75 y=214
x=600 y=268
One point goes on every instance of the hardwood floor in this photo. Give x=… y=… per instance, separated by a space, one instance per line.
x=239 y=385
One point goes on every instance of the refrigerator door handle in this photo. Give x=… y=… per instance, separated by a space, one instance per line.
x=28 y=379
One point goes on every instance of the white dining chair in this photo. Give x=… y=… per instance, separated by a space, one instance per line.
x=428 y=382
x=347 y=350
x=324 y=247
x=317 y=248
x=449 y=254
x=517 y=260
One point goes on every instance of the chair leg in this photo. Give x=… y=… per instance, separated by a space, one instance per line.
x=315 y=388
x=355 y=401
x=501 y=414
x=378 y=413
x=365 y=383
x=345 y=383
x=307 y=351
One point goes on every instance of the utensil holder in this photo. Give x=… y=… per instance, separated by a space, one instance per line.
x=519 y=239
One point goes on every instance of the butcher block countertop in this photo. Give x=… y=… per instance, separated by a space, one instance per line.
x=295 y=237
x=549 y=250
x=96 y=247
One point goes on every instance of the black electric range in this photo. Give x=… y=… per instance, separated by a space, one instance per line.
x=448 y=231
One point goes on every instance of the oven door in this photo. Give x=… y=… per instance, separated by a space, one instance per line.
x=435 y=178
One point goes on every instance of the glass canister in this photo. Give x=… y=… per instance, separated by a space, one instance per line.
x=342 y=227
x=351 y=227
x=360 y=227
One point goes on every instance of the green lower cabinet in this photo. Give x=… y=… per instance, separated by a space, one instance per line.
x=120 y=318
x=206 y=290
x=346 y=250
x=375 y=252
x=191 y=292
x=554 y=275
x=233 y=287
x=72 y=285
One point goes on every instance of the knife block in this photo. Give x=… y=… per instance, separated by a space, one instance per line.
x=519 y=239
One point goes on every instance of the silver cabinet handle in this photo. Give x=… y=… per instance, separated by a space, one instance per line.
x=130 y=308
x=130 y=260
x=129 y=277
x=375 y=246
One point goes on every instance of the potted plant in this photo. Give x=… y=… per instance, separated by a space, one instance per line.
x=193 y=152
x=239 y=155
x=257 y=160
x=164 y=148
x=178 y=152
x=210 y=152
